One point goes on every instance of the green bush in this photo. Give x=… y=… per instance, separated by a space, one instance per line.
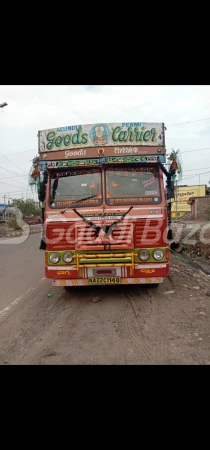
x=185 y=246
x=13 y=224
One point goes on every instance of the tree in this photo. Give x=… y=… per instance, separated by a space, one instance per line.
x=27 y=207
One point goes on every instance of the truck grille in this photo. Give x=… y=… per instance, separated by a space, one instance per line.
x=60 y=236
x=121 y=237
x=148 y=232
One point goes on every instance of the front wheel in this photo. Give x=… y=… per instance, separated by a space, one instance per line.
x=154 y=285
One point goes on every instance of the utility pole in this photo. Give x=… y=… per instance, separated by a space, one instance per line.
x=4 y=196
x=176 y=199
x=9 y=199
x=2 y=105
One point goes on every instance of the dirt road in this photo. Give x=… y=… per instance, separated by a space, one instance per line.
x=129 y=325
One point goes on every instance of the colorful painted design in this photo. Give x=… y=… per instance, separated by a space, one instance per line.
x=151 y=280
x=70 y=282
x=85 y=282
x=73 y=173
x=34 y=175
x=126 y=201
x=72 y=163
x=95 y=152
x=175 y=167
x=147 y=270
x=92 y=202
x=132 y=159
x=100 y=134
x=111 y=257
x=107 y=160
x=79 y=136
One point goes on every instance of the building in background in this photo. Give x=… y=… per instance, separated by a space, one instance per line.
x=6 y=213
x=2 y=211
x=183 y=195
x=200 y=207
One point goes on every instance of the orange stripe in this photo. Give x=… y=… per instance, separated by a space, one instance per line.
x=84 y=282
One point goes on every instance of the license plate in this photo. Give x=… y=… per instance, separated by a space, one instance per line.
x=104 y=280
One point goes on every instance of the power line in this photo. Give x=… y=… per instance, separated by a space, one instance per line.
x=7 y=170
x=196 y=150
x=6 y=178
x=25 y=151
x=35 y=151
x=194 y=175
x=15 y=192
x=13 y=163
x=182 y=123
x=181 y=152
x=201 y=168
x=13 y=185
x=16 y=182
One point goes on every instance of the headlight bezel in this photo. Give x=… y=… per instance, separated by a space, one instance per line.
x=160 y=251
x=51 y=256
x=68 y=253
x=146 y=251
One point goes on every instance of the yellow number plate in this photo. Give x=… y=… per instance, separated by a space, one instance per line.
x=104 y=280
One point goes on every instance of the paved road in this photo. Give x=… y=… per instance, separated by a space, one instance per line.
x=129 y=325
x=35 y=227
x=21 y=267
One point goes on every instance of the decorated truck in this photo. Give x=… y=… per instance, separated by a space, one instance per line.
x=106 y=210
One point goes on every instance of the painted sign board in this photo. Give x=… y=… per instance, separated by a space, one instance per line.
x=101 y=135
x=102 y=152
x=184 y=193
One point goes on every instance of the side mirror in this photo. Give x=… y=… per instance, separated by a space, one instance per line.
x=170 y=190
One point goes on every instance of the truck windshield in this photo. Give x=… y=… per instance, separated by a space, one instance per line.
x=66 y=187
x=132 y=185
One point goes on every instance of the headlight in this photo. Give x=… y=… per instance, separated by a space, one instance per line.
x=144 y=255
x=158 y=255
x=67 y=257
x=54 y=258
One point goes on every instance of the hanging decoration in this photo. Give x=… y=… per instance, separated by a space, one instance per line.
x=174 y=170
x=175 y=166
x=42 y=190
x=34 y=175
x=55 y=186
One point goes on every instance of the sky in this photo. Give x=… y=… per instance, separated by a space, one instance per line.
x=34 y=108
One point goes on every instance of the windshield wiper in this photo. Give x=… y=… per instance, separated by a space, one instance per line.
x=77 y=201
x=106 y=228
